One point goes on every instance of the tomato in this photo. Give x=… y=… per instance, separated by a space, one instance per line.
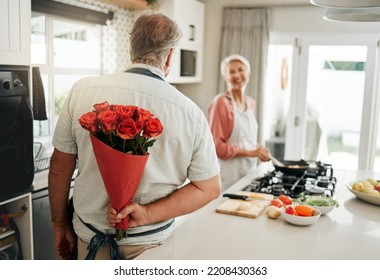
x=276 y=202
x=290 y=210
x=287 y=200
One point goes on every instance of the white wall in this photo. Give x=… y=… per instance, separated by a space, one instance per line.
x=298 y=16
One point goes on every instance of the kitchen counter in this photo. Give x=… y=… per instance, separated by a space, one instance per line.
x=40 y=181
x=351 y=231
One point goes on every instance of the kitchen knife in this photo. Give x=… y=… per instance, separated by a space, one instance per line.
x=239 y=196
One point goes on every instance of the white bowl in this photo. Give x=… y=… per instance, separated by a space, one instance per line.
x=363 y=196
x=313 y=201
x=301 y=220
x=324 y=209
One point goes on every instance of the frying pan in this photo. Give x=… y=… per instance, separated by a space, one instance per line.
x=291 y=167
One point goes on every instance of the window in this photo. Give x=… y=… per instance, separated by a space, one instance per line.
x=344 y=65
x=65 y=51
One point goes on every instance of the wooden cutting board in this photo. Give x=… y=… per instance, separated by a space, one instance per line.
x=250 y=209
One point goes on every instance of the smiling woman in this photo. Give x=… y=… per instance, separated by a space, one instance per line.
x=232 y=118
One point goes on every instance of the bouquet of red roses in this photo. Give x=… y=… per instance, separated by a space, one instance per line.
x=121 y=136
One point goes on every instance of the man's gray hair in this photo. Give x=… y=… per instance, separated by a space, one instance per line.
x=152 y=37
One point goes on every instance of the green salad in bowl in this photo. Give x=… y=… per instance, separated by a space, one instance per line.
x=322 y=203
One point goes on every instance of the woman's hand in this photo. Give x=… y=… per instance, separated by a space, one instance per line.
x=260 y=152
x=263 y=153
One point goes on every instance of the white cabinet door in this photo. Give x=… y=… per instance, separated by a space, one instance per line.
x=21 y=207
x=190 y=18
x=189 y=15
x=15 y=23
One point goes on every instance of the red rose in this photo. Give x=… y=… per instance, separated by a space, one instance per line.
x=102 y=106
x=108 y=120
x=89 y=122
x=153 y=128
x=125 y=111
x=141 y=116
x=127 y=129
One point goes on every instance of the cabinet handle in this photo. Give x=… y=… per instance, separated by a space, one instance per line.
x=296 y=121
x=192 y=32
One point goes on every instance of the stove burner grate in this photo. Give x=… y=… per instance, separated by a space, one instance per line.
x=317 y=180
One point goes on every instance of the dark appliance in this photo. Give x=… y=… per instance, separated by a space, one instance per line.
x=188 y=63
x=317 y=179
x=16 y=132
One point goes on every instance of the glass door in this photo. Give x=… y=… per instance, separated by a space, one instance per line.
x=277 y=97
x=333 y=101
x=334 y=104
x=376 y=144
x=281 y=57
x=377 y=153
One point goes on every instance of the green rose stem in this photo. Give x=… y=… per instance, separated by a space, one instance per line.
x=120 y=234
x=111 y=140
x=144 y=150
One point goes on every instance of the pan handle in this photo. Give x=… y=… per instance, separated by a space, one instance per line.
x=276 y=161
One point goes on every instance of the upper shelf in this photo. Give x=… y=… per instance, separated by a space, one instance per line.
x=129 y=4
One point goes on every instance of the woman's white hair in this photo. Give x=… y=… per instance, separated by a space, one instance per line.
x=233 y=57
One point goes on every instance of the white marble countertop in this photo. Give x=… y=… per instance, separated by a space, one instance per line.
x=351 y=231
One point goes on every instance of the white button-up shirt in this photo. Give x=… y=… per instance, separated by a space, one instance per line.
x=185 y=149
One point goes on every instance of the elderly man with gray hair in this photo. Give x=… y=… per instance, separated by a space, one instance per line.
x=181 y=175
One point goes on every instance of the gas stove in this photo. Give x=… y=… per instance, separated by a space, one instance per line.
x=318 y=179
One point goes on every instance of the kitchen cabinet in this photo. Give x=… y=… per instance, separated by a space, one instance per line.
x=21 y=208
x=15 y=28
x=189 y=15
x=188 y=58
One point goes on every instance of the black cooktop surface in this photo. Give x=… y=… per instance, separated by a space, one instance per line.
x=318 y=179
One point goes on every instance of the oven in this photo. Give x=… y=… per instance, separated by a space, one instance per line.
x=317 y=179
x=16 y=132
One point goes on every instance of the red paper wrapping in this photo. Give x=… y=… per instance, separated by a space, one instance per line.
x=121 y=174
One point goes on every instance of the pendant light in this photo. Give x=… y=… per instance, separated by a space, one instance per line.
x=350 y=10
x=355 y=15
x=346 y=4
